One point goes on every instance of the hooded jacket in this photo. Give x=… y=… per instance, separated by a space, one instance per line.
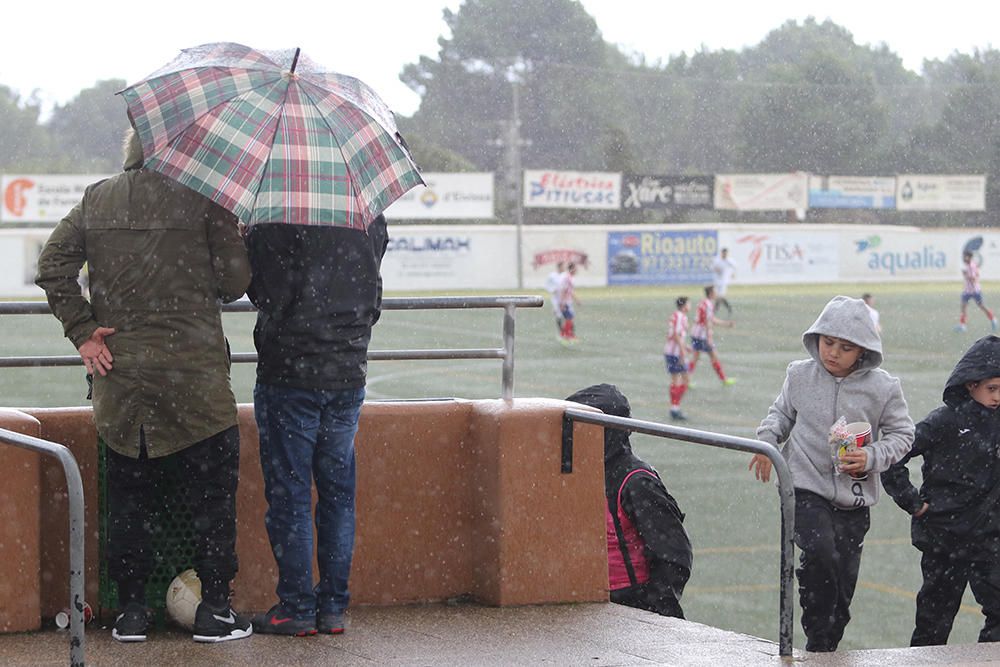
x=161 y=257
x=652 y=510
x=960 y=445
x=318 y=292
x=812 y=399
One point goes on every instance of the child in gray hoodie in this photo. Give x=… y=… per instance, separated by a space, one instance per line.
x=841 y=378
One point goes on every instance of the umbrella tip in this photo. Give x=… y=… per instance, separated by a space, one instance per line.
x=295 y=60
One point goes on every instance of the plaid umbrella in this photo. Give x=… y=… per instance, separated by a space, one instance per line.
x=272 y=137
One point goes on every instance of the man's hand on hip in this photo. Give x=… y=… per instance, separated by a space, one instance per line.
x=95 y=353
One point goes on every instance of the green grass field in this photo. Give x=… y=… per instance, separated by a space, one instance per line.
x=732 y=518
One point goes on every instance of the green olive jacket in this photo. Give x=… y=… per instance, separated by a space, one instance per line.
x=160 y=258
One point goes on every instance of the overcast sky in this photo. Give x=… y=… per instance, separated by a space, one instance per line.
x=60 y=47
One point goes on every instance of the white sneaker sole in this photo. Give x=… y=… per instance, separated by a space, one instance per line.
x=213 y=639
x=127 y=638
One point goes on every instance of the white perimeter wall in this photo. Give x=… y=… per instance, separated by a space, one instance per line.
x=485 y=257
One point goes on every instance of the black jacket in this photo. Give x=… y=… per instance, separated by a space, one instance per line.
x=318 y=292
x=960 y=446
x=645 y=500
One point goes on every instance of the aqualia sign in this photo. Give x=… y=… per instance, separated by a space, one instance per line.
x=914 y=257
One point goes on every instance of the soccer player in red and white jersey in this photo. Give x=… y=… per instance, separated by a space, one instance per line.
x=674 y=354
x=971 y=291
x=701 y=334
x=568 y=303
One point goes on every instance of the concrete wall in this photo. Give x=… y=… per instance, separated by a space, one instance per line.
x=454 y=498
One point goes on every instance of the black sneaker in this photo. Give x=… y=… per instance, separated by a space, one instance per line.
x=678 y=416
x=132 y=623
x=220 y=625
x=278 y=622
x=330 y=623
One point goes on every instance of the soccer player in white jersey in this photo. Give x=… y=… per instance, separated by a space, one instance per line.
x=675 y=352
x=701 y=334
x=971 y=291
x=723 y=271
x=552 y=285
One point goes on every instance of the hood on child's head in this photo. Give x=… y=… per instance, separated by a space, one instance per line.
x=980 y=362
x=609 y=400
x=847 y=318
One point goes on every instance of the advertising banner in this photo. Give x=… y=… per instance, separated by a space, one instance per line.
x=666 y=192
x=921 y=192
x=774 y=255
x=544 y=246
x=852 y=191
x=900 y=256
x=985 y=249
x=455 y=196
x=19 y=250
x=41 y=198
x=661 y=257
x=572 y=189
x=762 y=192
x=441 y=257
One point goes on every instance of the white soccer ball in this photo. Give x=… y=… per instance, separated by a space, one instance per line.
x=183 y=598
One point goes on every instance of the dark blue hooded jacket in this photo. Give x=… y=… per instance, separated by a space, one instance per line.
x=960 y=446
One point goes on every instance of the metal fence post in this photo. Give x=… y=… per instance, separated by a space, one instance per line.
x=74 y=487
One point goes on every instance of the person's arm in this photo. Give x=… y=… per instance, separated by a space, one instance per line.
x=660 y=522
x=59 y=267
x=229 y=254
x=774 y=428
x=896 y=433
x=896 y=479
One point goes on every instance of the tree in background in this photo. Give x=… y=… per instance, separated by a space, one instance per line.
x=24 y=141
x=87 y=131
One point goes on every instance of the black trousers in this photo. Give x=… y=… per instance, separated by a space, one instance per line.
x=830 y=542
x=207 y=475
x=941 y=595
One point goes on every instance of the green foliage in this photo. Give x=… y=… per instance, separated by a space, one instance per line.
x=87 y=131
x=807 y=97
x=23 y=142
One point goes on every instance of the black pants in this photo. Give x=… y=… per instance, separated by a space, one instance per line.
x=941 y=595
x=830 y=542
x=208 y=472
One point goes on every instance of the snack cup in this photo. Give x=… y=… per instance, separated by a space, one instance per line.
x=862 y=432
x=62 y=618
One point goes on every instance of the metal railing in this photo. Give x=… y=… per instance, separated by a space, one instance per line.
x=786 y=493
x=74 y=485
x=509 y=304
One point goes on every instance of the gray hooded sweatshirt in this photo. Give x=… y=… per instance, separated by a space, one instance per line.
x=811 y=401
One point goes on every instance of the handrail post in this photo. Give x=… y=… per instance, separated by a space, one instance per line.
x=786 y=492
x=507 y=375
x=74 y=487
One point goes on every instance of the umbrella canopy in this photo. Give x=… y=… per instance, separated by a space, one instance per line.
x=272 y=137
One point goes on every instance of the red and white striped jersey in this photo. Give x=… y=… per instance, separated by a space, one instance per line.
x=970 y=274
x=676 y=332
x=702 y=327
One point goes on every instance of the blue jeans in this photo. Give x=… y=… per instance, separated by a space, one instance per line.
x=304 y=434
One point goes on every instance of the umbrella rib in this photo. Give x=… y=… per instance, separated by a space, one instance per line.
x=347 y=165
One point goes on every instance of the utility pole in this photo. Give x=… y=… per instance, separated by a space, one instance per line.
x=513 y=175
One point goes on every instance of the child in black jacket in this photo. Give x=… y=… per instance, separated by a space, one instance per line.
x=956 y=523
